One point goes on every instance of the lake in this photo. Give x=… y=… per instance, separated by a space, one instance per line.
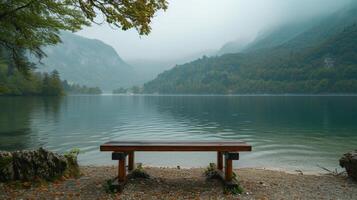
x=287 y=132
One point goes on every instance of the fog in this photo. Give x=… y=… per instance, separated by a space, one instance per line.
x=189 y=27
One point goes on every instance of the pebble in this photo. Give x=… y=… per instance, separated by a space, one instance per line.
x=190 y=184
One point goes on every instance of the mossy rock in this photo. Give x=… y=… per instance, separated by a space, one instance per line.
x=6 y=169
x=40 y=164
x=349 y=162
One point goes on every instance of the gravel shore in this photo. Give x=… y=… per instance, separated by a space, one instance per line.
x=169 y=183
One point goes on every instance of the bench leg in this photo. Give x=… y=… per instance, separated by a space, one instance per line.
x=228 y=170
x=122 y=170
x=131 y=161
x=219 y=160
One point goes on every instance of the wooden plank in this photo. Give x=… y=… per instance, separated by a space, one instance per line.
x=148 y=142
x=127 y=146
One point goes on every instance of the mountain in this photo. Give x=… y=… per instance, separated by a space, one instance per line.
x=233 y=47
x=87 y=62
x=272 y=37
x=146 y=69
x=280 y=34
x=318 y=57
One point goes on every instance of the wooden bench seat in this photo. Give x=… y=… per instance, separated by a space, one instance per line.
x=226 y=151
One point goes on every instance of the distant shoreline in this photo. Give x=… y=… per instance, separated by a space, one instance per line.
x=208 y=95
x=198 y=95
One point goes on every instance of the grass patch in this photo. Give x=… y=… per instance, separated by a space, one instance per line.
x=111 y=187
x=138 y=172
x=211 y=172
x=5 y=161
x=72 y=163
x=234 y=189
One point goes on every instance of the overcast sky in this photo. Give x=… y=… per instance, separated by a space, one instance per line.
x=192 y=26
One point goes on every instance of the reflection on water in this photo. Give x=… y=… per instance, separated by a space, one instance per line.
x=286 y=132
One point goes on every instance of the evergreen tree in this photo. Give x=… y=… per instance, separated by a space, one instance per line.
x=28 y=25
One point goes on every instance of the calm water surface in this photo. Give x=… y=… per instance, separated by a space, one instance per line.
x=289 y=132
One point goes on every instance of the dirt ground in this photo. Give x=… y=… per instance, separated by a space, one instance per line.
x=169 y=183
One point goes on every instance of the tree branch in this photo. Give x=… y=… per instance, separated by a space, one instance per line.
x=5 y=14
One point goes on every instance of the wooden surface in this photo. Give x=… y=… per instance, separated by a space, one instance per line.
x=228 y=170
x=219 y=160
x=224 y=146
x=122 y=171
x=131 y=160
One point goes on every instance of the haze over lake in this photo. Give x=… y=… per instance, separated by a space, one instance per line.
x=288 y=132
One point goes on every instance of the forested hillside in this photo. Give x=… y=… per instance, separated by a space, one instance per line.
x=88 y=62
x=39 y=84
x=320 y=59
x=43 y=84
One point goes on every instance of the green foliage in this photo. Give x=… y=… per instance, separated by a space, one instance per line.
x=42 y=84
x=52 y=85
x=122 y=13
x=234 y=189
x=138 y=172
x=326 y=67
x=110 y=186
x=72 y=169
x=72 y=153
x=28 y=25
x=30 y=84
x=5 y=161
x=79 y=89
x=211 y=172
x=136 y=90
x=120 y=91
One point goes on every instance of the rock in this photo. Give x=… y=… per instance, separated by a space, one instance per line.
x=349 y=162
x=6 y=169
x=31 y=165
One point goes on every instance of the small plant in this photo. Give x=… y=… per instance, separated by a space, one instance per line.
x=234 y=189
x=73 y=153
x=5 y=162
x=111 y=187
x=139 y=172
x=72 y=163
x=211 y=172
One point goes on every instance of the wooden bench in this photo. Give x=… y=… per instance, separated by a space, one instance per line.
x=226 y=150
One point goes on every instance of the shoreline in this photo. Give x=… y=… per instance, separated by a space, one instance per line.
x=169 y=183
